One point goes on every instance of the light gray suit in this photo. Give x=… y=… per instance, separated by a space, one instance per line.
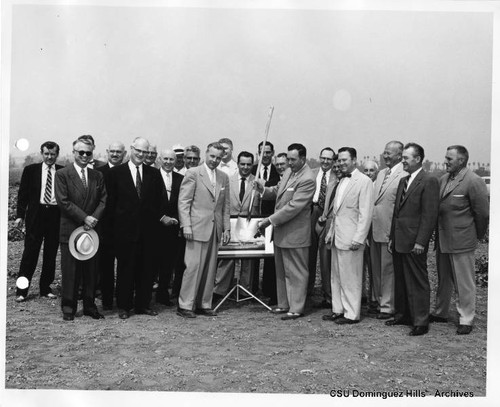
x=351 y=219
x=381 y=259
x=206 y=210
x=462 y=220
x=292 y=235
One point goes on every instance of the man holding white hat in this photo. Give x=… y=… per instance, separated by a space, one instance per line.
x=81 y=197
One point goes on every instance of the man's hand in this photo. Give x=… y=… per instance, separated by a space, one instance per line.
x=418 y=249
x=89 y=223
x=322 y=220
x=19 y=223
x=355 y=245
x=188 y=233
x=226 y=237
x=263 y=224
x=258 y=185
x=389 y=246
x=168 y=221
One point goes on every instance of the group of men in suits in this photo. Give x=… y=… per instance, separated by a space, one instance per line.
x=160 y=221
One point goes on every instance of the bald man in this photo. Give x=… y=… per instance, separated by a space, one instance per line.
x=171 y=245
x=116 y=153
x=134 y=202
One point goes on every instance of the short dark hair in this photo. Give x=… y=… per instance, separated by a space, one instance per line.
x=327 y=149
x=245 y=154
x=351 y=150
x=268 y=143
x=300 y=149
x=49 y=145
x=226 y=140
x=419 y=150
x=87 y=137
x=281 y=155
x=461 y=151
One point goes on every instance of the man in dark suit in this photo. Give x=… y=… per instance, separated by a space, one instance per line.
x=463 y=219
x=324 y=177
x=116 y=154
x=37 y=208
x=134 y=203
x=171 y=245
x=81 y=196
x=413 y=221
x=271 y=177
x=93 y=163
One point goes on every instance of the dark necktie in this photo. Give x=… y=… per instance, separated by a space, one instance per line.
x=405 y=189
x=265 y=172
x=242 y=188
x=138 y=182
x=332 y=196
x=47 y=195
x=322 y=191
x=84 y=180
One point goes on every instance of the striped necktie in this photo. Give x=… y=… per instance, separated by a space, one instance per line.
x=47 y=195
x=387 y=174
x=84 y=180
x=322 y=191
x=405 y=190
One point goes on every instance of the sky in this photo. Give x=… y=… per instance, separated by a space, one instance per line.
x=194 y=75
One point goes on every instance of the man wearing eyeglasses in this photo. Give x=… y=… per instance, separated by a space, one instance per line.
x=116 y=153
x=324 y=178
x=81 y=197
x=134 y=203
x=191 y=157
x=93 y=163
x=151 y=156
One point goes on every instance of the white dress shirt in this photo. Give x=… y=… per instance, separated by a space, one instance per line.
x=45 y=171
x=79 y=172
x=133 y=171
x=167 y=180
x=230 y=168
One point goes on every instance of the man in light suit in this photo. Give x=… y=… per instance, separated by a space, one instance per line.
x=134 y=202
x=204 y=208
x=81 y=197
x=37 y=208
x=106 y=276
x=352 y=214
x=413 y=221
x=385 y=189
x=324 y=178
x=292 y=231
x=240 y=187
x=462 y=220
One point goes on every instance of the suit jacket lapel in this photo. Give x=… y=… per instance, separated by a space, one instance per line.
x=205 y=178
x=352 y=182
x=454 y=183
x=248 y=192
x=413 y=186
x=77 y=182
x=38 y=177
x=284 y=184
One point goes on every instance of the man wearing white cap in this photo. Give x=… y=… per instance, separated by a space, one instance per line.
x=81 y=197
x=179 y=159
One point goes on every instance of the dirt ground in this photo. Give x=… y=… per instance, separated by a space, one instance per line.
x=244 y=349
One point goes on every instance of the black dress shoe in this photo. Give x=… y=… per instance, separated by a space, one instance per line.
x=185 y=313
x=344 y=321
x=206 y=312
x=397 y=321
x=332 y=317
x=419 y=330
x=68 y=317
x=123 y=314
x=434 y=318
x=291 y=315
x=464 y=329
x=94 y=314
x=384 y=315
x=146 y=311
